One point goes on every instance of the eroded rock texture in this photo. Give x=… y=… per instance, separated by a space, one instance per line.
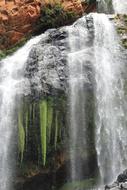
x=18 y=18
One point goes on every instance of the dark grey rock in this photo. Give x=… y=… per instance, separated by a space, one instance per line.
x=47 y=66
x=122 y=178
x=120 y=183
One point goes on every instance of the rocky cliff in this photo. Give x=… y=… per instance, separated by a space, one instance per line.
x=18 y=17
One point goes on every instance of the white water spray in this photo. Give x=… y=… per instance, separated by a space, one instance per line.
x=111 y=131
x=78 y=57
x=12 y=84
x=107 y=59
x=120 y=6
x=104 y=6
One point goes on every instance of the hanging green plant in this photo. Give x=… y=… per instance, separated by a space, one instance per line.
x=21 y=134
x=56 y=129
x=43 y=126
x=49 y=119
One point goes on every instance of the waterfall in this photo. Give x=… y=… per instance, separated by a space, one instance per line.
x=12 y=84
x=87 y=56
x=93 y=40
x=77 y=59
x=110 y=6
x=120 y=6
x=111 y=141
x=104 y=6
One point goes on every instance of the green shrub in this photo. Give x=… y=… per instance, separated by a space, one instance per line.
x=2 y=55
x=53 y=16
x=43 y=129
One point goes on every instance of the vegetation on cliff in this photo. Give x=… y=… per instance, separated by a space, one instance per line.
x=51 y=16
x=40 y=128
x=54 y=16
x=122 y=28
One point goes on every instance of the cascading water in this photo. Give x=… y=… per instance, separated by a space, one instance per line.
x=12 y=83
x=78 y=58
x=111 y=141
x=104 y=6
x=105 y=54
x=120 y=6
x=94 y=51
x=108 y=6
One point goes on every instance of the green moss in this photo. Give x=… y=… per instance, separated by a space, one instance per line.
x=21 y=134
x=121 y=21
x=26 y=122
x=41 y=129
x=43 y=126
x=2 y=55
x=49 y=119
x=56 y=130
x=122 y=30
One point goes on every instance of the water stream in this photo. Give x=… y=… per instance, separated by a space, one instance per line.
x=95 y=62
x=78 y=59
x=12 y=83
x=110 y=117
x=120 y=6
x=103 y=52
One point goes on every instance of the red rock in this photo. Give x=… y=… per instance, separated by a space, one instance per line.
x=14 y=36
x=17 y=17
x=16 y=20
x=73 y=5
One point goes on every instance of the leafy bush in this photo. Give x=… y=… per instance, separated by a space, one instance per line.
x=2 y=55
x=53 y=16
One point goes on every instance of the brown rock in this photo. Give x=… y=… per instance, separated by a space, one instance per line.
x=14 y=36
x=16 y=20
x=73 y=5
x=17 y=17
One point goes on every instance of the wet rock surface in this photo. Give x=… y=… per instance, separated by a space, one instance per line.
x=120 y=183
x=47 y=72
x=47 y=66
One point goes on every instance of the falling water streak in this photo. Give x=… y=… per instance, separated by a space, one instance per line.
x=104 y=6
x=77 y=58
x=111 y=131
x=109 y=98
x=120 y=6
x=12 y=83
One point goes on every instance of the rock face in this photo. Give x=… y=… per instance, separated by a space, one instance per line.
x=47 y=64
x=47 y=61
x=47 y=73
x=17 y=18
x=87 y=8
x=120 y=183
x=73 y=5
